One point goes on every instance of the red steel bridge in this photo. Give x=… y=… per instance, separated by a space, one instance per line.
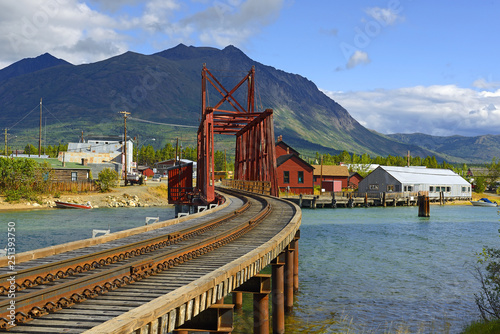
x=255 y=152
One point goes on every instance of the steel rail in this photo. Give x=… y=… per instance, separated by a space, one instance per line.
x=46 y=273
x=66 y=293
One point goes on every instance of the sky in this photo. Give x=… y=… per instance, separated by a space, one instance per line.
x=397 y=66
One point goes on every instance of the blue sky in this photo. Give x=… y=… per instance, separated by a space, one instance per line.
x=396 y=65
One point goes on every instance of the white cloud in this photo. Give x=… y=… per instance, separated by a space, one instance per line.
x=66 y=28
x=436 y=110
x=233 y=22
x=482 y=83
x=358 y=58
x=81 y=33
x=386 y=16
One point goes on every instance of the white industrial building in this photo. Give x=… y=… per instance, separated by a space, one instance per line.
x=99 y=150
x=415 y=179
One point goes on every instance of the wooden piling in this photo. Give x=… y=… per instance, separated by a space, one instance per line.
x=423 y=206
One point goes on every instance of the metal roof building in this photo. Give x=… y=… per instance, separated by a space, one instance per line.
x=414 y=179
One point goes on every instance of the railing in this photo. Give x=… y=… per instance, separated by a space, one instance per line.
x=258 y=187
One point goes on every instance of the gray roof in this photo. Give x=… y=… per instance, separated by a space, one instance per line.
x=422 y=175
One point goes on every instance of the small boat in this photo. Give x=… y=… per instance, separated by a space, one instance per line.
x=484 y=202
x=67 y=205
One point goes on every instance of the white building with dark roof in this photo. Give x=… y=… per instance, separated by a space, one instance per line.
x=414 y=179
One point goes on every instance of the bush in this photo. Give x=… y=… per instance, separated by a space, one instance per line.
x=488 y=274
x=107 y=179
x=24 y=178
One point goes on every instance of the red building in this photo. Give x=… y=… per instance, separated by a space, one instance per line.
x=146 y=171
x=294 y=174
x=329 y=175
x=354 y=179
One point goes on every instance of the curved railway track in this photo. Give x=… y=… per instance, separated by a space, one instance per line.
x=50 y=289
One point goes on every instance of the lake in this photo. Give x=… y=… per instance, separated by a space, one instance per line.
x=362 y=270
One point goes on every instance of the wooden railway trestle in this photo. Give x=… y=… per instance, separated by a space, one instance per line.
x=154 y=264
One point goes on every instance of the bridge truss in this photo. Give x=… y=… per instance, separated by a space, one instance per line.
x=255 y=152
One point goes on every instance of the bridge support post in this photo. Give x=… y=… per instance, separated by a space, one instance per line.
x=261 y=313
x=296 y=262
x=237 y=300
x=289 y=278
x=278 y=297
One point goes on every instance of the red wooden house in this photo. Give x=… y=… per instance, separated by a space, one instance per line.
x=294 y=174
x=354 y=179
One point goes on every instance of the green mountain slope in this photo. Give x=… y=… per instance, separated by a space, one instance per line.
x=165 y=87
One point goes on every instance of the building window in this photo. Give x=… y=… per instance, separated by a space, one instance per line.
x=448 y=189
x=431 y=188
x=74 y=176
x=315 y=178
x=464 y=189
x=373 y=187
x=301 y=177
x=390 y=187
x=286 y=176
x=408 y=188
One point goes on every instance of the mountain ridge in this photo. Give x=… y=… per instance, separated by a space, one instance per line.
x=165 y=87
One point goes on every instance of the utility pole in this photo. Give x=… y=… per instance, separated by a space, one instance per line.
x=125 y=113
x=6 y=146
x=40 y=132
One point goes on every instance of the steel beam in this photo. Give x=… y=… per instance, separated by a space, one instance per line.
x=217 y=318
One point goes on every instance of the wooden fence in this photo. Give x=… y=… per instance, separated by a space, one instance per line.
x=74 y=186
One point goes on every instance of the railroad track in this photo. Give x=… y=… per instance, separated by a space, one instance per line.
x=64 y=285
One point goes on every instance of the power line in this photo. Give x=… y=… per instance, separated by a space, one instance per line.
x=158 y=123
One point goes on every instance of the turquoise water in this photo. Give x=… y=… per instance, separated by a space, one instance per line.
x=42 y=228
x=377 y=270
x=362 y=270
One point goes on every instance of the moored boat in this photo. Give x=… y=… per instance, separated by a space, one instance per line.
x=67 y=205
x=484 y=202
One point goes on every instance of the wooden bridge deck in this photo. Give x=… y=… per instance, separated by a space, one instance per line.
x=164 y=301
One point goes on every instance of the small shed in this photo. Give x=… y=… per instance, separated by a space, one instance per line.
x=70 y=174
x=146 y=171
x=330 y=173
x=415 y=179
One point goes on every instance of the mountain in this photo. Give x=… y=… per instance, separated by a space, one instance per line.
x=165 y=88
x=477 y=149
x=30 y=65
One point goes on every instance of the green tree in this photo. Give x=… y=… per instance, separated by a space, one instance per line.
x=480 y=184
x=493 y=172
x=107 y=179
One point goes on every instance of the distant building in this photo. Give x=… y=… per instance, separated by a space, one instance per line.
x=353 y=181
x=415 y=179
x=99 y=149
x=294 y=174
x=334 y=177
x=146 y=171
x=161 y=168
